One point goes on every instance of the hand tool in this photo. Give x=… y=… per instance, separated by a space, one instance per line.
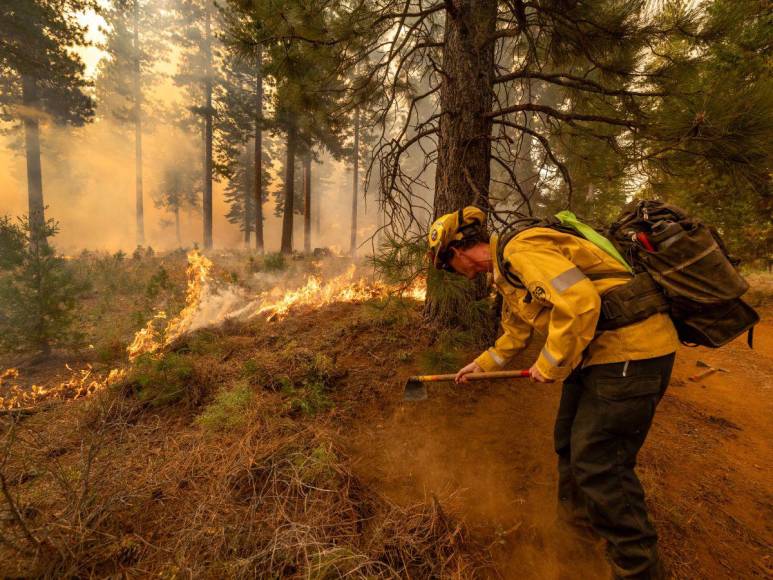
x=709 y=370
x=416 y=389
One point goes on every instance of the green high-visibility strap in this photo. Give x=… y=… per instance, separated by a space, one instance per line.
x=569 y=219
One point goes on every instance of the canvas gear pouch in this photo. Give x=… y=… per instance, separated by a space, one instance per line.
x=713 y=325
x=631 y=302
x=689 y=261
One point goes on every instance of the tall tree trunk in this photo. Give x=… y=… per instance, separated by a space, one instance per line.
x=355 y=183
x=177 y=225
x=37 y=219
x=258 y=151
x=289 y=193
x=307 y=203
x=249 y=190
x=207 y=201
x=318 y=211
x=138 y=193
x=464 y=146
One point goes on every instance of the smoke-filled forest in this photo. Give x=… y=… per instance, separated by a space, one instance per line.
x=379 y=288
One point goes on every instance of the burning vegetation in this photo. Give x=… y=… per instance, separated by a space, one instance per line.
x=207 y=304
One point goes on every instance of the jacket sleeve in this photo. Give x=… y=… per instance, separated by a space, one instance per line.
x=575 y=304
x=516 y=334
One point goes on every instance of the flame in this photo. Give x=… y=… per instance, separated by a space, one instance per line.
x=147 y=339
x=343 y=288
x=206 y=306
x=82 y=383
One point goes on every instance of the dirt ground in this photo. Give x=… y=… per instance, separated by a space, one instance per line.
x=706 y=466
x=484 y=450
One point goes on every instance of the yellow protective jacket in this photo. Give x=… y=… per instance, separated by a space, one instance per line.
x=565 y=306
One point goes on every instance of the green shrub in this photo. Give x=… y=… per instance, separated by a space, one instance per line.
x=446 y=354
x=391 y=311
x=163 y=381
x=228 y=410
x=274 y=262
x=308 y=398
x=39 y=292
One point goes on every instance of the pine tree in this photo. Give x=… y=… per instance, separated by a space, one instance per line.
x=501 y=84
x=711 y=151
x=308 y=82
x=239 y=125
x=38 y=291
x=196 y=33
x=133 y=46
x=179 y=189
x=41 y=76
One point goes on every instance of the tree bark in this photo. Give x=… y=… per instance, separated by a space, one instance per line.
x=37 y=219
x=138 y=192
x=207 y=201
x=289 y=193
x=177 y=225
x=318 y=210
x=249 y=190
x=355 y=183
x=464 y=145
x=307 y=203
x=258 y=151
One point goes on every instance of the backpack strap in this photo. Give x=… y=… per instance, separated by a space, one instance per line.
x=504 y=266
x=610 y=274
x=521 y=225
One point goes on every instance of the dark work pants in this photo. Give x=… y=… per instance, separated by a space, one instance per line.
x=603 y=418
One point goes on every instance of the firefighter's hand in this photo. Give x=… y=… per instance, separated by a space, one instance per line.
x=473 y=367
x=537 y=376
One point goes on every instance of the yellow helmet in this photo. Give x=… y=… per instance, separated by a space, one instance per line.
x=453 y=227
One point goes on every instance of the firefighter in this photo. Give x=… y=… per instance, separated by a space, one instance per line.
x=612 y=379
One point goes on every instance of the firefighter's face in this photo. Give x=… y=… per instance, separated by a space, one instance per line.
x=462 y=264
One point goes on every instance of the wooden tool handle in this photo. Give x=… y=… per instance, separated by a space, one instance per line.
x=473 y=376
x=705 y=373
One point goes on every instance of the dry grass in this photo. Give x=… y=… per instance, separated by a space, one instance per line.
x=118 y=485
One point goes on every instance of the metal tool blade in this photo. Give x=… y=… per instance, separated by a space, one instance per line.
x=415 y=391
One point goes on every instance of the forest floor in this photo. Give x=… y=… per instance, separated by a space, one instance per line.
x=284 y=449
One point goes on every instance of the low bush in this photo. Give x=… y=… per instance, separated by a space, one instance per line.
x=164 y=381
x=229 y=409
x=274 y=262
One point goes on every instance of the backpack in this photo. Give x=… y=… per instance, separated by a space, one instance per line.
x=678 y=265
x=690 y=263
x=635 y=300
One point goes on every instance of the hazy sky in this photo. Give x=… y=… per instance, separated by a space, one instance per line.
x=88 y=182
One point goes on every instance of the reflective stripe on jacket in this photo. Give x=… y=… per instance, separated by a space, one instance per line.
x=564 y=307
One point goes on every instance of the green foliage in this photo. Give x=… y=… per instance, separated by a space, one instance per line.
x=158 y=282
x=274 y=262
x=455 y=297
x=393 y=311
x=308 y=398
x=228 y=410
x=204 y=342
x=723 y=122
x=316 y=466
x=400 y=260
x=162 y=381
x=39 y=292
x=447 y=353
x=312 y=372
x=37 y=41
